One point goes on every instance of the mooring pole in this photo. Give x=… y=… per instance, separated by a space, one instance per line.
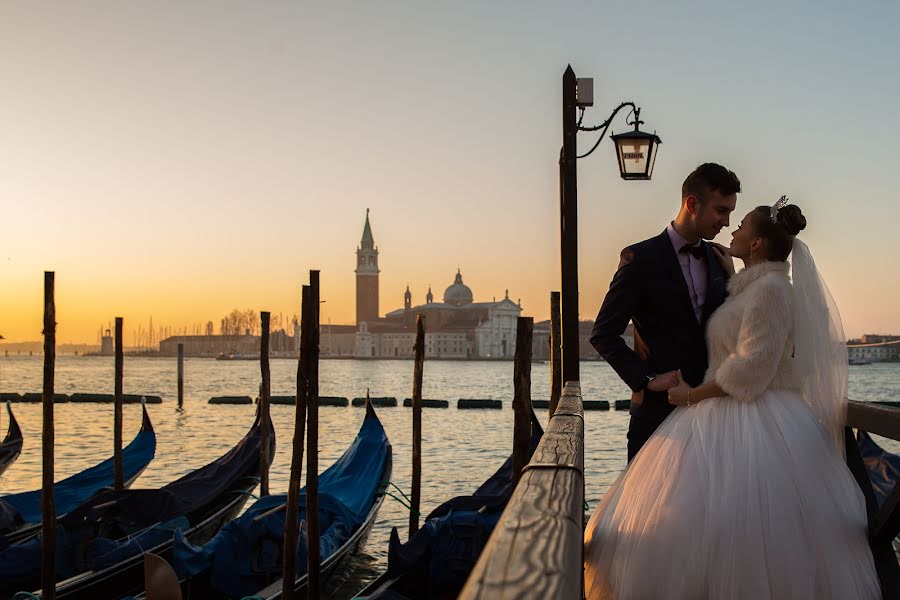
x=416 y=494
x=180 y=374
x=555 y=358
x=48 y=509
x=264 y=391
x=291 y=531
x=313 y=590
x=118 y=477
x=568 y=213
x=522 y=397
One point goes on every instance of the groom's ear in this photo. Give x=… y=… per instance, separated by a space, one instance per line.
x=691 y=202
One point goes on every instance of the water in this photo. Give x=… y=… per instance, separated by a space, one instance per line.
x=461 y=448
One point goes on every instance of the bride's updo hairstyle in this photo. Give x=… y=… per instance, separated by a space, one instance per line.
x=779 y=235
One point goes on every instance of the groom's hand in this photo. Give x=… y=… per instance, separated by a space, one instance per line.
x=663 y=382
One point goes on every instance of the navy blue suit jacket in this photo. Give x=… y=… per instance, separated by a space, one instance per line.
x=649 y=290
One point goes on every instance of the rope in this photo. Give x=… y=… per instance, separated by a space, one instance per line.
x=405 y=505
x=391 y=483
x=26 y=596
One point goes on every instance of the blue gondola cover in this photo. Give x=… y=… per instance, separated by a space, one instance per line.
x=245 y=556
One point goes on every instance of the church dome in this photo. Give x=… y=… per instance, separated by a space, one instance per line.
x=459 y=293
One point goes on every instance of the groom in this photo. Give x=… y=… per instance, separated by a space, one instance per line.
x=668 y=286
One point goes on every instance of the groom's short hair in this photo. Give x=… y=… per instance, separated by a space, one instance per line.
x=708 y=178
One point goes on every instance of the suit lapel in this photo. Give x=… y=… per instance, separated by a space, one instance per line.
x=673 y=268
x=715 y=283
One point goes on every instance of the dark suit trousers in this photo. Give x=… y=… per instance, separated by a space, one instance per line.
x=639 y=431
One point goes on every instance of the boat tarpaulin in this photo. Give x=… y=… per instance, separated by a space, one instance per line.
x=245 y=556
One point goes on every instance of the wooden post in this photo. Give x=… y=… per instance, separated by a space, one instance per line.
x=568 y=221
x=180 y=374
x=416 y=494
x=118 y=477
x=264 y=392
x=313 y=586
x=555 y=354
x=522 y=397
x=48 y=509
x=289 y=564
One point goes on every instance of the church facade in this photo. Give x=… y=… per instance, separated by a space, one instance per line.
x=457 y=327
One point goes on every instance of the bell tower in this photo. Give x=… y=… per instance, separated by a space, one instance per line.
x=366 y=276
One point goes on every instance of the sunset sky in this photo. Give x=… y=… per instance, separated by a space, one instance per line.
x=180 y=159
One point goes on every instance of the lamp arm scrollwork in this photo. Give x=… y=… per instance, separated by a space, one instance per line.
x=604 y=126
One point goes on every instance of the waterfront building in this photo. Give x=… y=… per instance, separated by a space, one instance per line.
x=874 y=348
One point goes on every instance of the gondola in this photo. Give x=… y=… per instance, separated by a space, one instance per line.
x=882 y=466
x=100 y=544
x=437 y=560
x=20 y=514
x=245 y=558
x=11 y=446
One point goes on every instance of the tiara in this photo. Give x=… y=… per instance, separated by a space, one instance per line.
x=773 y=214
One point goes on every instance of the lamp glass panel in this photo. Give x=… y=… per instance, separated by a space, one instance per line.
x=633 y=156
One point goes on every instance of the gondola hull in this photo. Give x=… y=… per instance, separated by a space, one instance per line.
x=11 y=447
x=127 y=577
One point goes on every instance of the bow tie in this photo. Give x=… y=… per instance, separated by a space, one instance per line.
x=698 y=251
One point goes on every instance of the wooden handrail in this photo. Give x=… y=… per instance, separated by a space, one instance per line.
x=870 y=417
x=536 y=549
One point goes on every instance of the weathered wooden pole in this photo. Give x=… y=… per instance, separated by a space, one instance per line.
x=264 y=392
x=313 y=589
x=522 y=397
x=180 y=374
x=118 y=477
x=416 y=494
x=48 y=508
x=568 y=220
x=555 y=354
x=289 y=564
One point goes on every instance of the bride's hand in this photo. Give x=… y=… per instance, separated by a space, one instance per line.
x=724 y=255
x=678 y=395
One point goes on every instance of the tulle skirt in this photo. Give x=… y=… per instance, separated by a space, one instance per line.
x=733 y=500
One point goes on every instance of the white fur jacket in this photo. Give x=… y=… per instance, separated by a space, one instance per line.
x=750 y=337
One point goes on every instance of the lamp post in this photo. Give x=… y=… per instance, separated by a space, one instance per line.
x=636 y=154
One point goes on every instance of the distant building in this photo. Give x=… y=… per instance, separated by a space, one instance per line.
x=211 y=345
x=874 y=348
x=106 y=344
x=366 y=276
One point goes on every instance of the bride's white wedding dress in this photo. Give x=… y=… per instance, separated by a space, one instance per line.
x=745 y=496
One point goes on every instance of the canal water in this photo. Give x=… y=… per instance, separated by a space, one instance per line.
x=461 y=448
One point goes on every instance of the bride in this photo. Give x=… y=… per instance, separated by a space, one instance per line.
x=743 y=491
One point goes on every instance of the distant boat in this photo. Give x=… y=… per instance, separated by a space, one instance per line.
x=11 y=446
x=236 y=356
x=859 y=361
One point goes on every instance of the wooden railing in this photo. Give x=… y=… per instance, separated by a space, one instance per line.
x=536 y=549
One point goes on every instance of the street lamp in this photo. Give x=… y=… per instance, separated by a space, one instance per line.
x=636 y=153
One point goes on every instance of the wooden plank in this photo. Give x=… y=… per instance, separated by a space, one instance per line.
x=536 y=548
x=880 y=420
